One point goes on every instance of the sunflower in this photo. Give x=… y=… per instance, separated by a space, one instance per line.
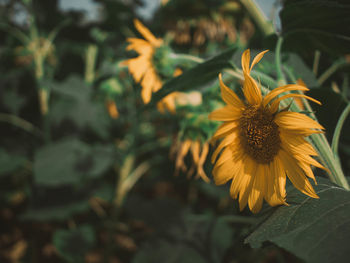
x=263 y=144
x=141 y=67
x=112 y=108
x=199 y=152
x=175 y=99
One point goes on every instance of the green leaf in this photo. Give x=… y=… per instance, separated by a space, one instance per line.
x=10 y=162
x=73 y=244
x=196 y=76
x=300 y=70
x=165 y=251
x=329 y=112
x=70 y=161
x=74 y=102
x=317 y=24
x=57 y=204
x=316 y=230
x=189 y=238
x=13 y=101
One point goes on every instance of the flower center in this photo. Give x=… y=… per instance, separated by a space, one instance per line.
x=259 y=134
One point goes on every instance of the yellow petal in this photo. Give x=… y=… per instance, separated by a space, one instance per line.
x=183 y=150
x=228 y=95
x=274 y=93
x=144 y=31
x=140 y=46
x=246 y=185
x=296 y=174
x=226 y=154
x=257 y=193
x=250 y=88
x=296 y=143
x=225 y=129
x=157 y=82
x=238 y=177
x=147 y=84
x=257 y=58
x=296 y=121
x=204 y=153
x=278 y=178
x=227 y=170
x=301 y=156
x=227 y=113
x=229 y=140
x=251 y=91
x=273 y=195
x=138 y=67
x=245 y=60
x=275 y=103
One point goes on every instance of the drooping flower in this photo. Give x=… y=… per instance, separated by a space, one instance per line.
x=263 y=144
x=112 y=108
x=198 y=151
x=175 y=99
x=142 y=67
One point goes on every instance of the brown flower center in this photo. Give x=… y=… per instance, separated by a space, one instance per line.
x=259 y=134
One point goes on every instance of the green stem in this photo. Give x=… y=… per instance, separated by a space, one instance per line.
x=345 y=87
x=21 y=123
x=265 y=25
x=336 y=135
x=338 y=64
x=186 y=57
x=280 y=77
x=16 y=33
x=90 y=62
x=316 y=62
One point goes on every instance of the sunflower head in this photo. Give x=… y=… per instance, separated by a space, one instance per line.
x=196 y=149
x=153 y=63
x=263 y=144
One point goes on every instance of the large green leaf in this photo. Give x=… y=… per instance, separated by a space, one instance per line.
x=70 y=161
x=57 y=204
x=10 y=162
x=317 y=24
x=73 y=244
x=193 y=238
x=299 y=70
x=196 y=76
x=316 y=230
x=73 y=101
x=329 y=112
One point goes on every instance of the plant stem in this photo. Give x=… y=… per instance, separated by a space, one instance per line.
x=338 y=64
x=21 y=123
x=90 y=61
x=186 y=57
x=336 y=135
x=265 y=25
x=316 y=62
x=280 y=77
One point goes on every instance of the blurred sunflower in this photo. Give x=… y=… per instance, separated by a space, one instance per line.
x=199 y=152
x=262 y=144
x=112 y=108
x=142 y=67
x=175 y=99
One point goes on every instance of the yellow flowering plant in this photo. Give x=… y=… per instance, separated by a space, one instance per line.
x=263 y=143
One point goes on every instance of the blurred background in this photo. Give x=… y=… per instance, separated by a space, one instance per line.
x=88 y=173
